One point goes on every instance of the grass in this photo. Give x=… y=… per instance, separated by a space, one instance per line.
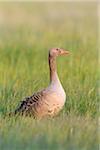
x=27 y=31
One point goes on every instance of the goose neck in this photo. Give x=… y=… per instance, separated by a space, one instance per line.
x=53 y=69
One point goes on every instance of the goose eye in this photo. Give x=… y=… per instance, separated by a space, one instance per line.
x=57 y=49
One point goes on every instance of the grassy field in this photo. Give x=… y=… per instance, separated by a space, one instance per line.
x=27 y=31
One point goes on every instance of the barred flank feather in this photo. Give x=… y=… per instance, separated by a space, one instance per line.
x=27 y=106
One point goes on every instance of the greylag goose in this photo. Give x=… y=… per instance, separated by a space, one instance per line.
x=49 y=101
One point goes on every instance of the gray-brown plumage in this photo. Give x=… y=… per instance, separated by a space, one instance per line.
x=28 y=106
x=49 y=101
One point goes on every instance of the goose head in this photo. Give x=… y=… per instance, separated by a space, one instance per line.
x=54 y=52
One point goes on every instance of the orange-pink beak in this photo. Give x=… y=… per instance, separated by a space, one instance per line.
x=64 y=52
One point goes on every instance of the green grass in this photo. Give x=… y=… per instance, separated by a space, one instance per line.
x=27 y=31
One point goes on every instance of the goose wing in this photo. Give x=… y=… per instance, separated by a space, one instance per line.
x=29 y=105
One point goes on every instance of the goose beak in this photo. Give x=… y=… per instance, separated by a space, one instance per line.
x=64 y=52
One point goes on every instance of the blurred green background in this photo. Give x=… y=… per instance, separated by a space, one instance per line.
x=27 y=31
